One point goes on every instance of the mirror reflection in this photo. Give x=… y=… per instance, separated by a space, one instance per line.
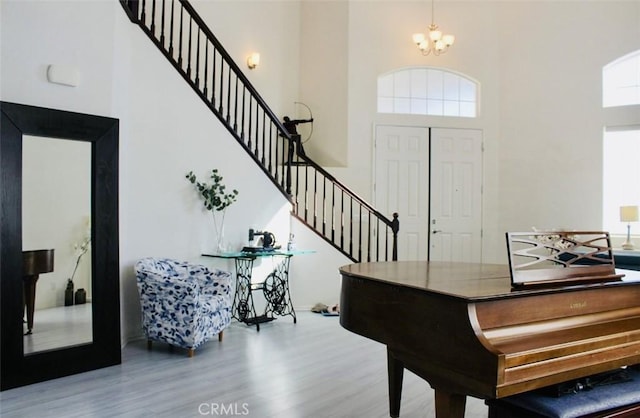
x=56 y=243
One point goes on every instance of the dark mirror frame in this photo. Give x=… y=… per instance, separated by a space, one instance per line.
x=18 y=369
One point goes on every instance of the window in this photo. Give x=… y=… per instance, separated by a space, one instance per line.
x=621 y=81
x=427 y=91
x=621 y=175
x=621 y=143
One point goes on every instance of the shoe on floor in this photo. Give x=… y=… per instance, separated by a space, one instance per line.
x=319 y=307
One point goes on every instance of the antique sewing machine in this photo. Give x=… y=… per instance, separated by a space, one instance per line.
x=267 y=241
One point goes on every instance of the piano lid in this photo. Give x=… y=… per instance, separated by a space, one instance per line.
x=37 y=262
x=467 y=281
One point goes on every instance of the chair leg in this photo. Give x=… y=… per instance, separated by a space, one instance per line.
x=220 y=336
x=190 y=352
x=149 y=343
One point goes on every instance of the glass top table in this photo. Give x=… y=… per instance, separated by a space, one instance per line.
x=275 y=287
x=259 y=253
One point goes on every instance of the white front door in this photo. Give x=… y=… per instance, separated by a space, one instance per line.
x=456 y=195
x=401 y=185
x=436 y=190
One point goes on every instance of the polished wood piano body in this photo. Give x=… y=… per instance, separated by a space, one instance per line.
x=34 y=263
x=461 y=327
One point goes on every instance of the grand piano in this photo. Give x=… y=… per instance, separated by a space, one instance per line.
x=34 y=263
x=467 y=331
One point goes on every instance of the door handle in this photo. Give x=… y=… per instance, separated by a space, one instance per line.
x=435 y=231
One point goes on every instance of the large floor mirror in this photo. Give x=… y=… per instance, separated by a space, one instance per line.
x=58 y=243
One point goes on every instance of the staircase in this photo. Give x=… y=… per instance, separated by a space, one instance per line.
x=329 y=208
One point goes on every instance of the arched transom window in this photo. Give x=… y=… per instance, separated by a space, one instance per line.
x=621 y=81
x=427 y=91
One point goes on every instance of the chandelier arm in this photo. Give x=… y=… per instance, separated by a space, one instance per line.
x=435 y=40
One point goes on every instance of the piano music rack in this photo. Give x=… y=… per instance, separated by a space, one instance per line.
x=559 y=258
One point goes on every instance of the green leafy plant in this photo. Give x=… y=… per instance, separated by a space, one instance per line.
x=215 y=199
x=213 y=195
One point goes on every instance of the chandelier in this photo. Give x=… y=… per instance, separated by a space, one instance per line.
x=434 y=41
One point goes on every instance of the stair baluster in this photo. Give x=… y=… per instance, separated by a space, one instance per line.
x=254 y=125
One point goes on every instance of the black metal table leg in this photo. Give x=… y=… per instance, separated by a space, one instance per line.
x=276 y=290
x=243 y=307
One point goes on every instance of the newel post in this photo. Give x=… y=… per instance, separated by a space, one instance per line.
x=395 y=227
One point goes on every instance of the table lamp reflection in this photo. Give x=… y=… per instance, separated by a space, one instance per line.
x=628 y=214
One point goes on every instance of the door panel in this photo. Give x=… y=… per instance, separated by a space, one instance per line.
x=440 y=209
x=401 y=181
x=456 y=195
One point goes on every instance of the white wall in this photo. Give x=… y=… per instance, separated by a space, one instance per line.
x=324 y=88
x=165 y=131
x=538 y=64
x=269 y=27
x=551 y=113
x=26 y=51
x=35 y=34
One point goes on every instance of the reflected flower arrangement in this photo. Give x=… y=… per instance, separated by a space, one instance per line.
x=80 y=248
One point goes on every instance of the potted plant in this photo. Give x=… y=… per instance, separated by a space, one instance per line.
x=215 y=199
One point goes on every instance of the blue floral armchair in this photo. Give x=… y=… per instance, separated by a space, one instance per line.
x=182 y=304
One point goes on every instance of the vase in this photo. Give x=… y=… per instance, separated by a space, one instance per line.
x=220 y=245
x=81 y=297
x=218 y=223
x=68 y=293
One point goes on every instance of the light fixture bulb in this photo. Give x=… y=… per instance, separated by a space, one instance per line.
x=253 y=60
x=434 y=41
x=435 y=35
x=418 y=38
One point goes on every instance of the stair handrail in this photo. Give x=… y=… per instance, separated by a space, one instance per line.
x=344 y=188
x=131 y=8
x=236 y=69
x=138 y=17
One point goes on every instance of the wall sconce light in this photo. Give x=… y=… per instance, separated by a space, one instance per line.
x=253 y=60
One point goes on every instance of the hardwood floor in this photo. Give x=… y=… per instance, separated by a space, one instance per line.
x=59 y=327
x=313 y=368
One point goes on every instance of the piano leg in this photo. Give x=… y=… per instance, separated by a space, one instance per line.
x=395 y=371
x=449 y=405
x=30 y=298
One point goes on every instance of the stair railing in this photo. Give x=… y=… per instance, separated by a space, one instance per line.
x=342 y=218
x=319 y=199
